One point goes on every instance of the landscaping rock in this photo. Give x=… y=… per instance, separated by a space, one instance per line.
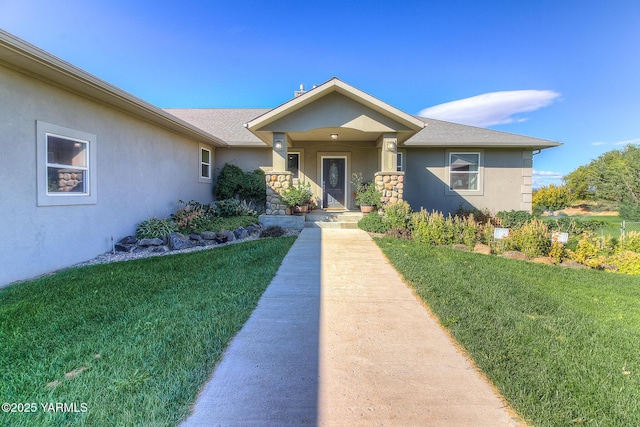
x=208 y=235
x=124 y=247
x=128 y=240
x=228 y=234
x=572 y=264
x=544 y=260
x=195 y=237
x=160 y=249
x=515 y=255
x=252 y=229
x=482 y=249
x=150 y=242
x=179 y=241
x=241 y=233
x=460 y=247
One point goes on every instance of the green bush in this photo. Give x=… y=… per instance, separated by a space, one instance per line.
x=234 y=183
x=227 y=207
x=513 y=219
x=398 y=214
x=552 y=198
x=630 y=210
x=299 y=195
x=436 y=229
x=155 y=228
x=532 y=238
x=374 y=223
x=631 y=242
x=627 y=262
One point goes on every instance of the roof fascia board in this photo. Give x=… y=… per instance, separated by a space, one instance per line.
x=27 y=59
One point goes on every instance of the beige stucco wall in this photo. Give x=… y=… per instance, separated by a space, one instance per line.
x=505 y=180
x=142 y=171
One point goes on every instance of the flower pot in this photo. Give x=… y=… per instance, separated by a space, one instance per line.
x=300 y=210
x=367 y=209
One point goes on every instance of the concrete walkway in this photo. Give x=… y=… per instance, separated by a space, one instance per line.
x=339 y=340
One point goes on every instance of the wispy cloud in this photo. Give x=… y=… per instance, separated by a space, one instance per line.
x=627 y=142
x=494 y=108
x=598 y=143
x=542 y=178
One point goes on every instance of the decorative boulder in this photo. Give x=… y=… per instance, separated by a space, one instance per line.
x=515 y=255
x=209 y=235
x=482 y=249
x=126 y=244
x=460 y=247
x=241 y=233
x=227 y=235
x=179 y=241
x=150 y=242
x=128 y=240
x=195 y=237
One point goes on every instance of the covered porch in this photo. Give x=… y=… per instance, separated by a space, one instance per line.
x=325 y=135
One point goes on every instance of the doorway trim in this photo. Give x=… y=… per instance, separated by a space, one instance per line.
x=347 y=167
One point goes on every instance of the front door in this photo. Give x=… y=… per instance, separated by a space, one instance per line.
x=334 y=182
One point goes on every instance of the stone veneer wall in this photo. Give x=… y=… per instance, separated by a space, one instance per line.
x=276 y=183
x=391 y=184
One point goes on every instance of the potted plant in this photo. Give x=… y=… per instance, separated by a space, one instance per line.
x=297 y=198
x=366 y=194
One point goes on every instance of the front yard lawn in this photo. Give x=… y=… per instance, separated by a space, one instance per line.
x=126 y=343
x=561 y=345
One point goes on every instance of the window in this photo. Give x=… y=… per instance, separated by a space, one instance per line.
x=293 y=164
x=66 y=166
x=205 y=163
x=464 y=171
x=400 y=161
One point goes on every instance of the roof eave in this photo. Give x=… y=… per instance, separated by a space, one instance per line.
x=27 y=59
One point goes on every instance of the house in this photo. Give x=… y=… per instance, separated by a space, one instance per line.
x=85 y=161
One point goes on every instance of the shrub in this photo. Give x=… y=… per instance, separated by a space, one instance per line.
x=630 y=210
x=234 y=183
x=552 y=197
x=631 y=242
x=398 y=214
x=366 y=192
x=374 y=223
x=227 y=207
x=513 y=219
x=627 y=262
x=299 y=195
x=587 y=251
x=153 y=227
x=557 y=252
x=188 y=217
x=532 y=239
x=433 y=228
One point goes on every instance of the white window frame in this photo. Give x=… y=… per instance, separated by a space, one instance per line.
x=201 y=163
x=449 y=190
x=44 y=197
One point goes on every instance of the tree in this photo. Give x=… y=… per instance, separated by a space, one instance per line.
x=614 y=176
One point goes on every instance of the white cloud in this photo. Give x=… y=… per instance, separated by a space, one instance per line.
x=627 y=142
x=542 y=178
x=494 y=108
x=598 y=143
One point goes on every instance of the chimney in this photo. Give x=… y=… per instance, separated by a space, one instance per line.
x=297 y=93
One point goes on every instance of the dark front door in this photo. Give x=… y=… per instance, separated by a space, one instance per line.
x=333 y=183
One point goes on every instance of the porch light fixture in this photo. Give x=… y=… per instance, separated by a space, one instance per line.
x=277 y=145
x=334 y=136
x=391 y=145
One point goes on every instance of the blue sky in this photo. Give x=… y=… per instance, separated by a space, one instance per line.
x=567 y=71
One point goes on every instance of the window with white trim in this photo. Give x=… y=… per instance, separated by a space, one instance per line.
x=464 y=171
x=399 y=161
x=66 y=166
x=293 y=164
x=205 y=163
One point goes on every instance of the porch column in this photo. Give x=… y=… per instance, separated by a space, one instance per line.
x=391 y=185
x=389 y=152
x=279 y=179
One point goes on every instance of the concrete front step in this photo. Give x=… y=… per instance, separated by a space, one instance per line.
x=329 y=219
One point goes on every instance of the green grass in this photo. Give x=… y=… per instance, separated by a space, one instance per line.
x=561 y=345
x=147 y=333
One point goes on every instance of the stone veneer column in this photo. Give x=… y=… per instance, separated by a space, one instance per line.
x=276 y=183
x=391 y=185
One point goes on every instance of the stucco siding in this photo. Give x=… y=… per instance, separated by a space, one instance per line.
x=503 y=180
x=141 y=171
